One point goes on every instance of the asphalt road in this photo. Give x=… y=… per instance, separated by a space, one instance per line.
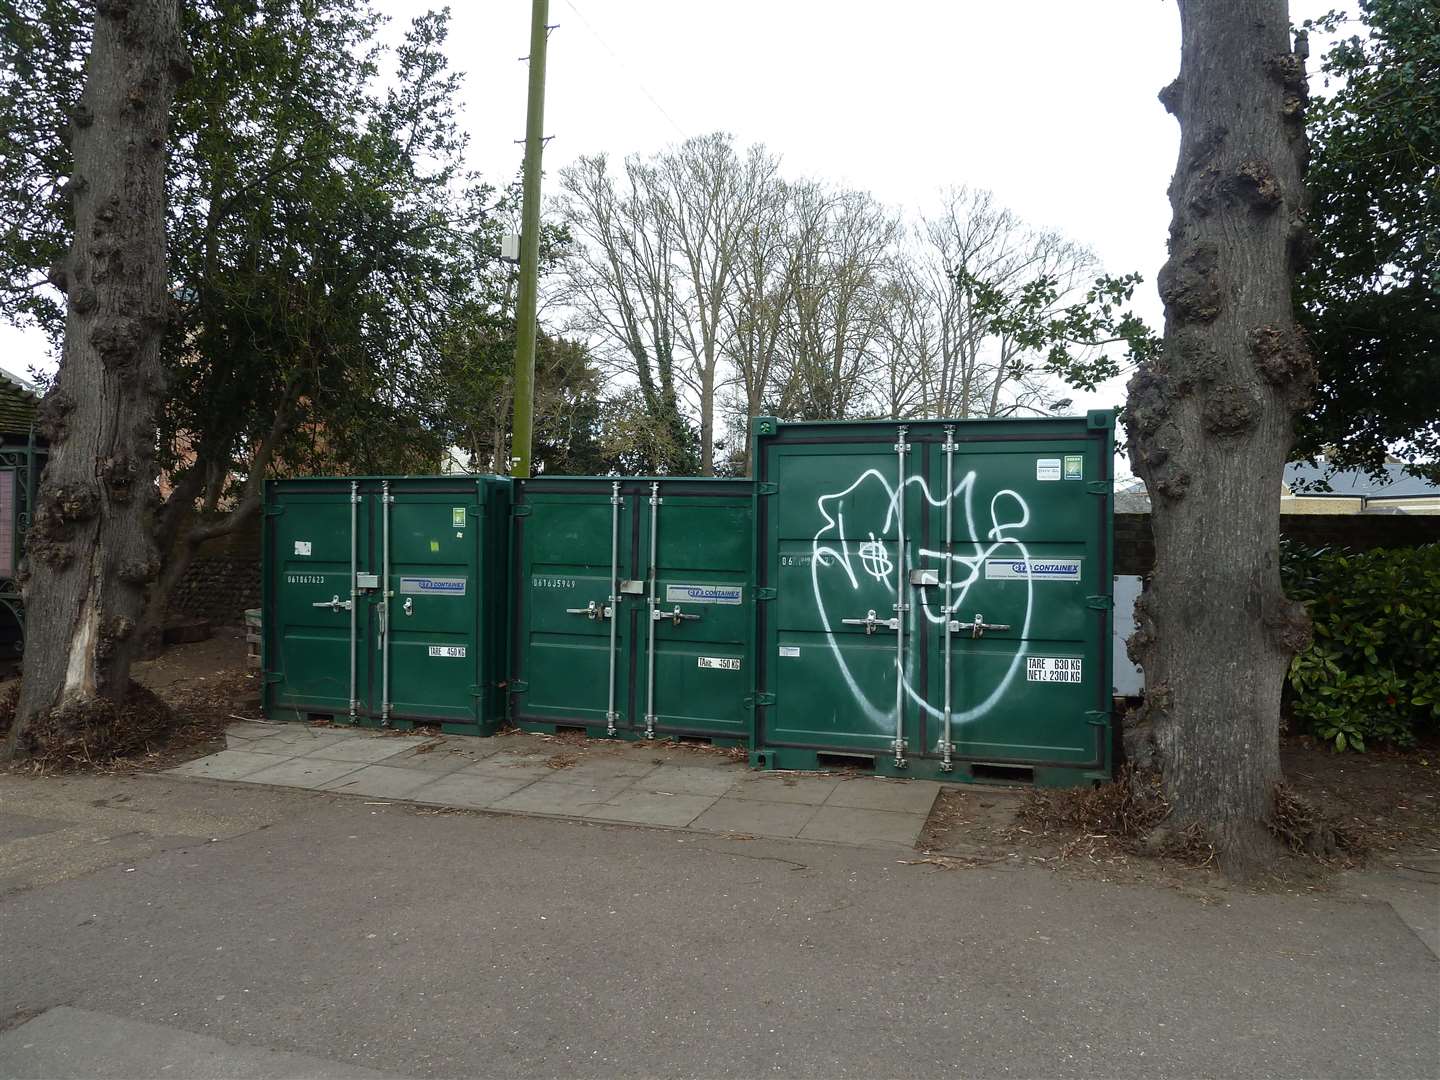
x=324 y=936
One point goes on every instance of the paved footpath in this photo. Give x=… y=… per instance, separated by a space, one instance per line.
x=153 y=925
x=631 y=783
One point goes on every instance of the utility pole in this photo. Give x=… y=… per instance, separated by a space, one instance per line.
x=525 y=330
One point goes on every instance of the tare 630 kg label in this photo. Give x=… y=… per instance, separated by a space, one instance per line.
x=1052 y=669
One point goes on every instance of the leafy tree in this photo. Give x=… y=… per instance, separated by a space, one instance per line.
x=325 y=239
x=1371 y=294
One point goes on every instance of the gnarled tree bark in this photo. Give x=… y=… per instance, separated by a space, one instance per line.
x=1210 y=425
x=91 y=549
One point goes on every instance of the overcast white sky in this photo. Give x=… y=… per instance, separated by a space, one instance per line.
x=1049 y=103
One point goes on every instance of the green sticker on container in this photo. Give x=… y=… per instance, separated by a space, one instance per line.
x=457 y=517
x=434 y=545
x=1074 y=466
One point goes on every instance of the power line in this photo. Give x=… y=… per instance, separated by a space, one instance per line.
x=627 y=69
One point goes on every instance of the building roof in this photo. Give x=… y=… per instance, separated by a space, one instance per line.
x=1353 y=484
x=18 y=401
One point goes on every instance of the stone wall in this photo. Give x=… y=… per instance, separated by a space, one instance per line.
x=223 y=579
x=1135 y=546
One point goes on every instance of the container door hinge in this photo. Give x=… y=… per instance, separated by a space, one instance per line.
x=274 y=511
x=1099 y=603
x=273 y=677
x=1099 y=487
x=520 y=510
x=518 y=686
x=768 y=487
x=759 y=700
x=764 y=593
x=1099 y=719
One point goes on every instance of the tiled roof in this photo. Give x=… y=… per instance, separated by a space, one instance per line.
x=18 y=400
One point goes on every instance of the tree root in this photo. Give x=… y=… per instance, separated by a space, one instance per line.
x=94 y=734
x=1306 y=830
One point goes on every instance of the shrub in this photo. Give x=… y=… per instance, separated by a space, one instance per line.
x=1372 y=674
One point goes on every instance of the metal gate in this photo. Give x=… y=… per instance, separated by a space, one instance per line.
x=382 y=600
x=632 y=606
x=941 y=597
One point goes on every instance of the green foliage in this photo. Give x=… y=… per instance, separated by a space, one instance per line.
x=1075 y=340
x=1370 y=296
x=1372 y=674
x=328 y=253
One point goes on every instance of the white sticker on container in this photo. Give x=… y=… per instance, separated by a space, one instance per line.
x=1047 y=468
x=432 y=586
x=704 y=594
x=720 y=663
x=302 y=547
x=1032 y=570
x=1052 y=669
x=789 y=650
x=448 y=650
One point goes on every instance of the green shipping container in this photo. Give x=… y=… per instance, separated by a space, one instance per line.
x=384 y=600
x=935 y=597
x=633 y=606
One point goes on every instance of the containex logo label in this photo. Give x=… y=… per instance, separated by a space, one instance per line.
x=1032 y=570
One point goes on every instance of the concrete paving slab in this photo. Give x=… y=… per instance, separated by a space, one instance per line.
x=273 y=747
x=855 y=825
x=467 y=789
x=300 y=772
x=651 y=808
x=899 y=796
x=381 y=781
x=555 y=800
x=772 y=787
x=252 y=729
x=688 y=780
x=438 y=759
x=513 y=766
x=756 y=818
x=367 y=749
x=65 y=1042
x=605 y=789
x=607 y=767
x=227 y=765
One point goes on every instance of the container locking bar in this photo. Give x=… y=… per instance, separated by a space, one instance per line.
x=655 y=613
x=947 y=745
x=610 y=715
x=901 y=607
x=354 y=590
x=385 y=594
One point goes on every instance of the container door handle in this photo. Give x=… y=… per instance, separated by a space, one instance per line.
x=674 y=616
x=978 y=627
x=871 y=623
x=592 y=611
x=334 y=604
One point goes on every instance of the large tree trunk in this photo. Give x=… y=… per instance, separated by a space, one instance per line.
x=91 y=548
x=1210 y=425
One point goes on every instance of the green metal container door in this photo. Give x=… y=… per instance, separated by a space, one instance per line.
x=867 y=528
x=417 y=635
x=633 y=606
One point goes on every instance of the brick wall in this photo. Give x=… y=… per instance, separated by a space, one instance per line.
x=1135 y=547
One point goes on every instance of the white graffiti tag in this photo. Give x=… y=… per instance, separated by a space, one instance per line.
x=1008 y=514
